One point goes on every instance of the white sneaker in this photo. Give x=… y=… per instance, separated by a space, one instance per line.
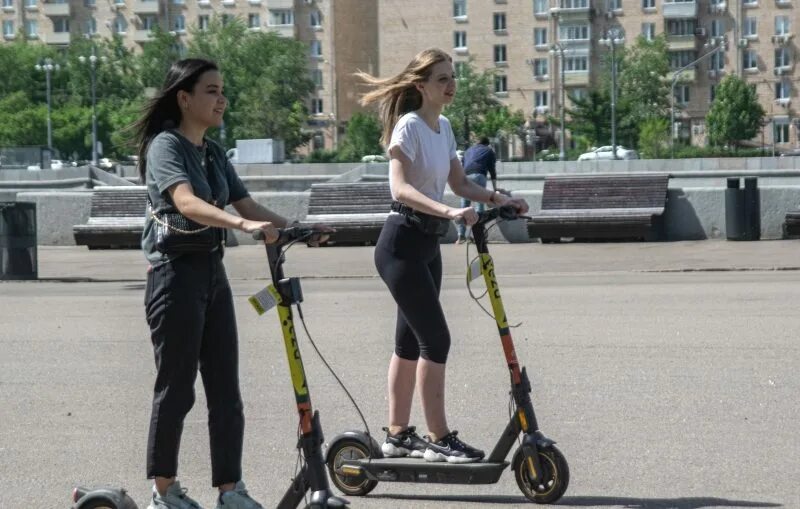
x=237 y=498
x=174 y=498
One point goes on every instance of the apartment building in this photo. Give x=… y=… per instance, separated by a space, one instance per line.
x=349 y=26
x=528 y=41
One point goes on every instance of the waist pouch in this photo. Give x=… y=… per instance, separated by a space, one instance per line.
x=426 y=223
x=176 y=233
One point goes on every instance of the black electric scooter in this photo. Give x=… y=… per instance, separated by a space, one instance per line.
x=356 y=463
x=283 y=292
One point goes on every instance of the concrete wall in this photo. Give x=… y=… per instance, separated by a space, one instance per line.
x=56 y=213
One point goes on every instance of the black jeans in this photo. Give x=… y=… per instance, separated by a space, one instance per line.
x=189 y=307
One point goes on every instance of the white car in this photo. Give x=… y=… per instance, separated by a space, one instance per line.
x=605 y=153
x=56 y=164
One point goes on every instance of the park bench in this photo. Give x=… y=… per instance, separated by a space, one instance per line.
x=116 y=219
x=791 y=225
x=357 y=210
x=594 y=207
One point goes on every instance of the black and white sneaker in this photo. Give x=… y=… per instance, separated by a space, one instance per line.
x=452 y=450
x=405 y=443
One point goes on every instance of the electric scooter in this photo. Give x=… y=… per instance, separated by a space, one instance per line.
x=356 y=463
x=283 y=293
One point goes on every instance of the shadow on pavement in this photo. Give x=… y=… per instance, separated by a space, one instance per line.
x=626 y=502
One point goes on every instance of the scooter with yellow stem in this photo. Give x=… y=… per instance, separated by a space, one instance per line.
x=356 y=463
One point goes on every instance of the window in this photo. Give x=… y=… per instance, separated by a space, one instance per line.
x=682 y=94
x=749 y=59
x=782 y=89
x=179 y=2
x=61 y=25
x=202 y=22
x=119 y=2
x=459 y=8
x=781 y=130
x=315 y=19
x=540 y=98
x=578 y=94
x=541 y=7
x=120 y=25
x=32 y=28
x=717 y=61
x=281 y=17
x=573 y=32
x=254 y=20
x=316 y=106
x=30 y=4
x=782 y=57
x=750 y=27
x=8 y=29
x=615 y=5
x=750 y=3
x=678 y=59
x=648 y=4
x=8 y=5
x=576 y=64
x=180 y=23
x=149 y=22
x=649 y=31
x=540 y=68
x=500 y=54
x=316 y=48
x=540 y=37
x=680 y=27
x=716 y=28
x=500 y=85
x=90 y=3
x=499 y=21
x=782 y=26
x=318 y=141
x=459 y=68
x=90 y=26
x=460 y=40
x=574 y=4
x=316 y=77
x=226 y=18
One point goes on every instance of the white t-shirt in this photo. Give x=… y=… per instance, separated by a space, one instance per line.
x=430 y=153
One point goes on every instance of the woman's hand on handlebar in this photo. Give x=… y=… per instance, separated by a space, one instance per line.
x=503 y=200
x=271 y=233
x=320 y=234
x=467 y=215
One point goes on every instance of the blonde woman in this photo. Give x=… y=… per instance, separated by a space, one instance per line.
x=422 y=151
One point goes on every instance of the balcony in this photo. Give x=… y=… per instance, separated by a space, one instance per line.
x=717 y=8
x=782 y=39
x=680 y=10
x=282 y=30
x=142 y=36
x=576 y=78
x=59 y=10
x=681 y=42
x=280 y=4
x=783 y=70
x=58 y=38
x=687 y=75
x=145 y=7
x=571 y=13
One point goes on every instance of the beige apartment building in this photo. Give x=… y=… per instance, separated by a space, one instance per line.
x=322 y=24
x=528 y=41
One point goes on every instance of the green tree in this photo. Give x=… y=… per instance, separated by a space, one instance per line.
x=156 y=57
x=472 y=102
x=654 y=138
x=21 y=121
x=362 y=137
x=735 y=114
x=589 y=118
x=500 y=122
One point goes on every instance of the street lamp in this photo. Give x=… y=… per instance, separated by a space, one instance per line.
x=557 y=50
x=719 y=45
x=48 y=67
x=92 y=60
x=613 y=38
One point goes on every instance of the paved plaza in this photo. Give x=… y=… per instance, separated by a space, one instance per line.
x=667 y=372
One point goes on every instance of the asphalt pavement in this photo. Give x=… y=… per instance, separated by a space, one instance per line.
x=666 y=372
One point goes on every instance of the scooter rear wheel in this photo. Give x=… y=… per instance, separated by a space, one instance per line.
x=555 y=476
x=353 y=485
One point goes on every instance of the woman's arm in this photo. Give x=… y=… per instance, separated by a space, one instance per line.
x=248 y=208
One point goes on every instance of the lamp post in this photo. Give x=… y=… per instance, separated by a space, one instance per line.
x=613 y=38
x=92 y=61
x=720 y=44
x=557 y=50
x=48 y=67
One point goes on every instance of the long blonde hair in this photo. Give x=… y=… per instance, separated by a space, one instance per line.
x=398 y=95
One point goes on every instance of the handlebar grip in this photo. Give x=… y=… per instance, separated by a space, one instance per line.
x=259 y=235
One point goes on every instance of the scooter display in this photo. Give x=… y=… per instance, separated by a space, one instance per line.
x=356 y=463
x=312 y=479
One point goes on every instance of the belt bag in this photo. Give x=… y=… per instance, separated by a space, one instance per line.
x=176 y=234
x=429 y=225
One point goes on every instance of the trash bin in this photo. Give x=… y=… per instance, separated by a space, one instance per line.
x=18 y=241
x=734 y=210
x=752 y=209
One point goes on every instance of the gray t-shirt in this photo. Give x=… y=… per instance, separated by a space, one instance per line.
x=171 y=158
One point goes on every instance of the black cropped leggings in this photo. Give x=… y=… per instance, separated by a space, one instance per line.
x=410 y=264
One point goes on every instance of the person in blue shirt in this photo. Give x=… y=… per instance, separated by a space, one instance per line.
x=479 y=163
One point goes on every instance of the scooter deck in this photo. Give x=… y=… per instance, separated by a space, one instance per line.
x=421 y=471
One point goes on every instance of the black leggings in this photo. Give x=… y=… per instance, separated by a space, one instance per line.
x=410 y=264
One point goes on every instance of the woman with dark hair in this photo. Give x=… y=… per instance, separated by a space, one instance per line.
x=422 y=151
x=188 y=301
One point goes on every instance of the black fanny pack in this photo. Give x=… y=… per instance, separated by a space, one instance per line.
x=426 y=223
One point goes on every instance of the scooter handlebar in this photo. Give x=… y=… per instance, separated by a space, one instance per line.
x=505 y=212
x=286 y=235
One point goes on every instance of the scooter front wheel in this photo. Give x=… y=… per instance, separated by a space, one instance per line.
x=344 y=450
x=554 y=478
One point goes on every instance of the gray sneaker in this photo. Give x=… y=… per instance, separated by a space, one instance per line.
x=237 y=498
x=174 y=498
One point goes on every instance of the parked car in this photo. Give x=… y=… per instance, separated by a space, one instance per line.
x=605 y=153
x=374 y=158
x=233 y=155
x=57 y=164
x=106 y=163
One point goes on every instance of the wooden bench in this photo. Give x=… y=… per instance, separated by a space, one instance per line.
x=791 y=225
x=356 y=209
x=593 y=207
x=116 y=219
